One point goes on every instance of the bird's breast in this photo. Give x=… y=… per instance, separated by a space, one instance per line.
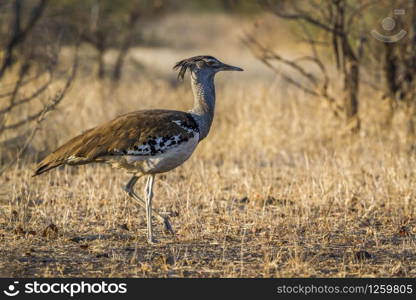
x=162 y=162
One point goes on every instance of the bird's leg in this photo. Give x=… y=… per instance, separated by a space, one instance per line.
x=149 y=197
x=129 y=188
x=130 y=185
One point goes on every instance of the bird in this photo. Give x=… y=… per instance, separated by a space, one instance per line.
x=148 y=142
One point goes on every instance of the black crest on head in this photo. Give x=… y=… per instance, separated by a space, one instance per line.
x=187 y=63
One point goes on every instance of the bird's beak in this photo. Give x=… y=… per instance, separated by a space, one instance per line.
x=226 y=67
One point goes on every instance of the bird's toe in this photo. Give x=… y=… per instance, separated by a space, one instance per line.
x=168 y=226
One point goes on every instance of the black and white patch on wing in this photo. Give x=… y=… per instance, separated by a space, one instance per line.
x=188 y=128
x=154 y=146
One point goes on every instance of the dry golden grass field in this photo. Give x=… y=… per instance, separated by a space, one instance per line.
x=276 y=190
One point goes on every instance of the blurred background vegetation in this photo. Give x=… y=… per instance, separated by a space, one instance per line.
x=322 y=48
x=310 y=162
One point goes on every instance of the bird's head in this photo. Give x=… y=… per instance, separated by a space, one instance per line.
x=203 y=65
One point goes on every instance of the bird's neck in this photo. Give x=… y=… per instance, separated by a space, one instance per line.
x=204 y=102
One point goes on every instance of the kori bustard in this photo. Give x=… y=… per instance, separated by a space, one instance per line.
x=148 y=142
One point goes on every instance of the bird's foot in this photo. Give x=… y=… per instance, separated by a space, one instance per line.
x=152 y=241
x=167 y=225
x=127 y=190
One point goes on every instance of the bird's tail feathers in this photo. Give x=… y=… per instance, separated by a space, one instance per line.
x=45 y=166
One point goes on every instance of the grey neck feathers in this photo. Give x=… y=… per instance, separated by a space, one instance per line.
x=204 y=101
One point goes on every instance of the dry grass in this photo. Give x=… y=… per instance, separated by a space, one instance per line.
x=275 y=190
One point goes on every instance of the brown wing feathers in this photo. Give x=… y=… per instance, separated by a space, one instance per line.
x=60 y=155
x=119 y=136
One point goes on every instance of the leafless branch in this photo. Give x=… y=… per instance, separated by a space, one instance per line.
x=40 y=116
x=19 y=32
x=319 y=90
x=29 y=98
x=55 y=101
x=297 y=14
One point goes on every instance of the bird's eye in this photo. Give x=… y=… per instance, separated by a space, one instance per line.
x=210 y=63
